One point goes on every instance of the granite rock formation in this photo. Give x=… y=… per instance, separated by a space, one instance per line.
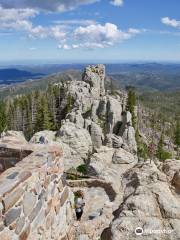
x=125 y=197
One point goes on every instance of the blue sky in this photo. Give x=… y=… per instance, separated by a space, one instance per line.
x=68 y=31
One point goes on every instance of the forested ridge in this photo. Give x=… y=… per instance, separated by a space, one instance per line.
x=36 y=111
x=47 y=102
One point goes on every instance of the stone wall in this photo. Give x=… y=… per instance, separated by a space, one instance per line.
x=9 y=157
x=35 y=202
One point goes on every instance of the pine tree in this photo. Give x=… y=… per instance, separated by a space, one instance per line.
x=177 y=137
x=43 y=118
x=142 y=150
x=161 y=153
x=53 y=94
x=177 y=133
x=3 y=118
x=131 y=103
x=10 y=115
x=47 y=119
x=160 y=147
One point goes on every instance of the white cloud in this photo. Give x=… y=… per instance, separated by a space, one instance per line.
x=92 y=45
x=98 y=32
x=16 y=19
x=134 y=31
x=70 y=34
x=117 y=3
x=58 y=33
x=170 y=22
x=65 y=47
x=82 y=22
x=99 y=36
x=19 y=20
x=52 y=5
x=16 y=14
x=48 y=5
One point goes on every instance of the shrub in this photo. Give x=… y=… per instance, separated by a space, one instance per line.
x=82 y=169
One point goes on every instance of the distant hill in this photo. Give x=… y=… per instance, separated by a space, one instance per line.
x=144 y=77
x=151 y=77
x=12 y=75
x=38 y=84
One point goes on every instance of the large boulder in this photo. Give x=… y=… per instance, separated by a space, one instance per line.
x=121 y=156
x=102 y=159
x=71 y=158
x=76 y=138
x=49 y=136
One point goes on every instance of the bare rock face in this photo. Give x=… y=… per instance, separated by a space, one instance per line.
x=103 y=163
x=96 y=135
x=149 y=204
x=117 y=141
x=114 y=112
x=99 y=112
x=176 y=181
x=171 y=168
x=76 y=117
x=123 y=157
x=102 y=159
x=49 y=136
x=95 y=75
x=80 y=92
x=76 y=138
x=129 y=139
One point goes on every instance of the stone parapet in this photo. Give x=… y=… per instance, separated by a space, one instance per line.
x=35 y=202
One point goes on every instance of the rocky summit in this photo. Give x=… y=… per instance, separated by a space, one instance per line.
x=95 y=151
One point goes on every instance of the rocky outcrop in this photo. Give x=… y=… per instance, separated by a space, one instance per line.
x=49 y=137
x=92 y=118
x=117 y=141
x=94 y=76
x=172 y=169
x=102 y=114
x=108 y=165
x=114 y=115
x=123 y=157
x=96 y=130
x=77 y=139
x=96 y=135
x=76 y=117
x=129 y=139
x=149 y=203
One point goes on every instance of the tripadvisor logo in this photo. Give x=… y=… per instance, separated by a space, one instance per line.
x=139 y=231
